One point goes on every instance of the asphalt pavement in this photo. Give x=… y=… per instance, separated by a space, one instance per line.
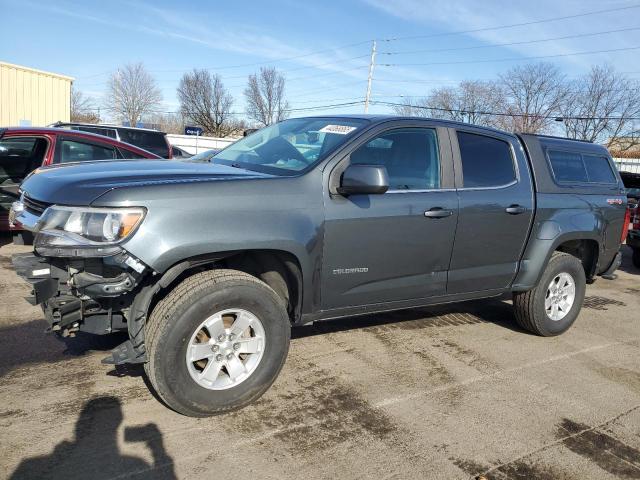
x=447 y=392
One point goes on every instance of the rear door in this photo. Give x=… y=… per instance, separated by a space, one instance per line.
x=496 y=209
x=383 y=248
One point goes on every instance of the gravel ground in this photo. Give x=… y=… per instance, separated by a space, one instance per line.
x=446 y=392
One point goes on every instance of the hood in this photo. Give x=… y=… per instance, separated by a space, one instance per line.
x=82 y=183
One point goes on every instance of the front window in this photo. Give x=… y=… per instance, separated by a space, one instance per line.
x=289 y=147
x=410 y=156
x=20 y=155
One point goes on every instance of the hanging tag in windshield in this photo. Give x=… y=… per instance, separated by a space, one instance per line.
x=339 y=129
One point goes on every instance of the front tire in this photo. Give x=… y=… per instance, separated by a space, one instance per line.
x=554 y=304
x=216 y=342
x=635 y=258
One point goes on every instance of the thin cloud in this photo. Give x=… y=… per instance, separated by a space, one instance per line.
x=447 y=15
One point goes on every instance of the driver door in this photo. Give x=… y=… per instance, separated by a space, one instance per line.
x=394 y=246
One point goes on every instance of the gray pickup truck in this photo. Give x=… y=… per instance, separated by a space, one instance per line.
x=208 y=266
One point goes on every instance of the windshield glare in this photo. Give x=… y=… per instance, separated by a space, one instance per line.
x=290 y=146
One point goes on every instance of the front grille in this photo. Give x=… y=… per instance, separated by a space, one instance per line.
x=34 y=207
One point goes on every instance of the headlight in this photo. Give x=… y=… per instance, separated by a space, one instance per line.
x=97 y=230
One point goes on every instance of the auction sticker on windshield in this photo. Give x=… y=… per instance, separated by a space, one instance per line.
x=339 y=129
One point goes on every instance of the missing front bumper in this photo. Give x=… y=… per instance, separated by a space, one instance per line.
x=38 y=272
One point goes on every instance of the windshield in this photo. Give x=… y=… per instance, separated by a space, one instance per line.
x=290 y=146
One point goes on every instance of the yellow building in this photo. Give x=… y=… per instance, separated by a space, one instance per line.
x=30 y=97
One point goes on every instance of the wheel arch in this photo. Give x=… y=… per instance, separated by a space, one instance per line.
x=582 y=245
x=279 y=269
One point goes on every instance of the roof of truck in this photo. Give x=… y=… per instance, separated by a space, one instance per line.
x=380 y=118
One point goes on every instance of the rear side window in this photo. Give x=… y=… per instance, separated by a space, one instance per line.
x=19 y=156
x=486 y=161
x=154 y=142
x=568 y=166
x=598 y=169
x=72 y=151
x=573 y=167
x=107 y=132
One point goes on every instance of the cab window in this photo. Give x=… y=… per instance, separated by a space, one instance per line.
x=486 y=161
x=410 y=156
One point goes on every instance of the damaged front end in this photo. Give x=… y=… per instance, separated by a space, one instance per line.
x=80 y=273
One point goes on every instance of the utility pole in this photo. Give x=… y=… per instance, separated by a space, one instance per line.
x=372 y=64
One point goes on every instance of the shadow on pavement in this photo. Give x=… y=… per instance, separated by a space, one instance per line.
x=5 y=238
x=477 y=311
x=94 y=452
x=27 y=343
x=627 y=263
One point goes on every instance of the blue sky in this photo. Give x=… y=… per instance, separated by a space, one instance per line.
x=88 y=40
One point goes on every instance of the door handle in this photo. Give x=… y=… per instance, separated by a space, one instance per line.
x=438 y=212
x=515 y=209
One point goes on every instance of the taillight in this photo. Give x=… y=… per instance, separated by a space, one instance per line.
x=635 y=220
x=625 y=225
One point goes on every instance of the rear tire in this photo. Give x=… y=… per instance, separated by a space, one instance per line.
x=201 y=313
x=553 y=305
x=635 y=258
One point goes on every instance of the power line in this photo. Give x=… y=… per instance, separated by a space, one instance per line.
x=496 y=114
x=390 y=39
x=325 y=89
x=521 y=24
x=525 y=42
x=265 y=62
x=301 y=109
x=512 y=59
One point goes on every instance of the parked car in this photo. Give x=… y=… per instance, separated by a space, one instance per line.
x=153 y=141
x=632 y=185
x=179 y=153
x=208 y=266
x=23 y=149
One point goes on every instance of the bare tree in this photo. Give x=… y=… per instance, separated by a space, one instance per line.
x=412 y=107
x=599 y=108
x=534 y=95
x=167 y=122
x=131 y=93
x=471 y=102
x=82 y=109
x=205 y=102
x=265 y=97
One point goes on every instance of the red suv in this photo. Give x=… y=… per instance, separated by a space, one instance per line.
x=23 y=149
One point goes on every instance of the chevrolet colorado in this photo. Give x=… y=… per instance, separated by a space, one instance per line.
x=207 y=266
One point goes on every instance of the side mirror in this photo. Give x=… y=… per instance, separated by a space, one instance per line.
x=364 y=180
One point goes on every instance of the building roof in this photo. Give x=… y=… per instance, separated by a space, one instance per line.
x=41 y=72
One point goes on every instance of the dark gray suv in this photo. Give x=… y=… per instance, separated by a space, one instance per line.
x=208 y=266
